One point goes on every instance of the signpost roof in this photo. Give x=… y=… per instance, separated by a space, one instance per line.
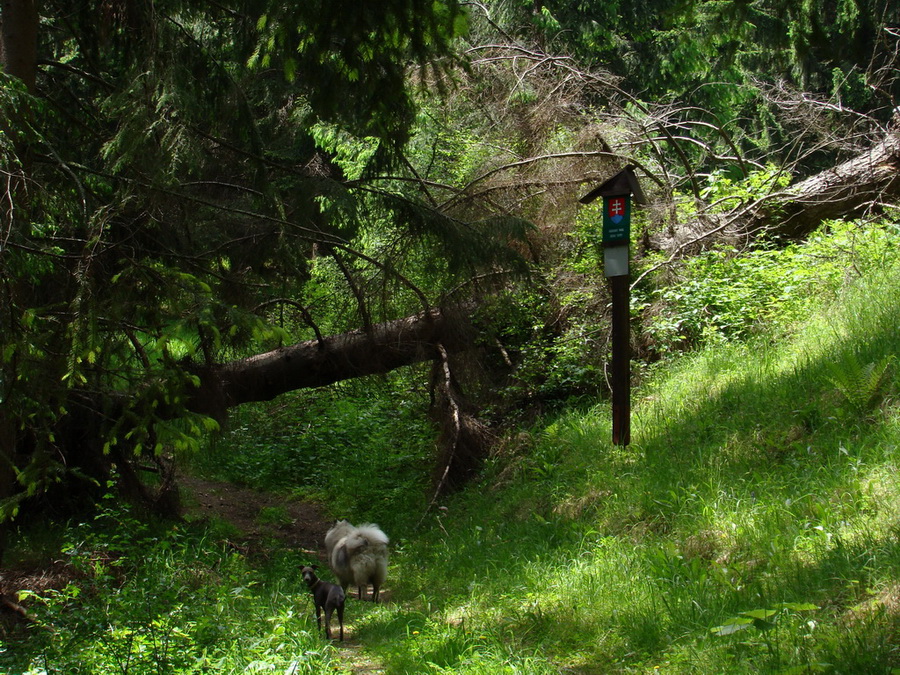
x=623 y=183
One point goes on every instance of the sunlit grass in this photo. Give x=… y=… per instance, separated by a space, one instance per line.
x=750 y=497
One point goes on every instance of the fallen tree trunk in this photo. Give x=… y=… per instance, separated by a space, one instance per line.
x=317 y=363
x=852 y=189
x=426 y=336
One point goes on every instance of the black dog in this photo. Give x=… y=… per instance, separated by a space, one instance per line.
x=326 y=596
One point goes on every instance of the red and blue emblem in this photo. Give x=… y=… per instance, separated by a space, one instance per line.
x=616 y=209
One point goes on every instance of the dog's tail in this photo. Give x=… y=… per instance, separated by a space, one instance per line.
x=337 y=532
x=373 y=534
x=354 y=544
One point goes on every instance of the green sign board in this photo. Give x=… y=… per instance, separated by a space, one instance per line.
x=616 y=219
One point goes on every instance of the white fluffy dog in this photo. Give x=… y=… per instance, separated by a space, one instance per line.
x=358 y=556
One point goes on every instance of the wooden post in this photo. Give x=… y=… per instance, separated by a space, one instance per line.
x=620 y=370
x=616 y=193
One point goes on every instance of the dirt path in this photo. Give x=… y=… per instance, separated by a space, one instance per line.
x=257 y=516
x=260 y=520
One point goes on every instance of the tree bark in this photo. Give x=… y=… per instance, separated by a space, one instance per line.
x=18 y=40
x=8 y=482
x=854 y=188
x=314 y=363
x=317 y=363
x=18 y=58
x=851 y=189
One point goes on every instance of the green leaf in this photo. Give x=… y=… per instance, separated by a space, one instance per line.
x=799 y=606
x=733 y=626
x=290 y=69
x=760 y=613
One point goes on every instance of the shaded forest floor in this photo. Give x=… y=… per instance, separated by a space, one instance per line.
x=259 y=519
x=257 y=523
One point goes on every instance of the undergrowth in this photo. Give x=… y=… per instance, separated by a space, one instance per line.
x=752 y=526
x=154 y=597
x=363 y=449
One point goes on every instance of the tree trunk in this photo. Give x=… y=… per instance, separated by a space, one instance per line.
x=314 y=363
x=18 y=40
x=8 y=483
x=18 y=58
x=851 y=189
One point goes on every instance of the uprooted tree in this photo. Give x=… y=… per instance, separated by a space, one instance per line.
x=183 y=186
x=204 y=208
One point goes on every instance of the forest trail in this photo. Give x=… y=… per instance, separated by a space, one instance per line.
x=261 y=521
x=256 y=516
x=260 y=517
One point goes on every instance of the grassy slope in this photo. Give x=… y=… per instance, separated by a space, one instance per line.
x=752 y=525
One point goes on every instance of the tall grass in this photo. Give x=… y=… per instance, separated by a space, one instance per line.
x=752 y=526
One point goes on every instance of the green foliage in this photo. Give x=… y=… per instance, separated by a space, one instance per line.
x=745 y=529
x=364 y=449
x=723 y=57
x=351 y=154
x=157 y=598
x=168 y=226
x=862 y=386
x=361 y=52
x=723 y=192
x=762 y=619
x=539 y=360
x=724 y=294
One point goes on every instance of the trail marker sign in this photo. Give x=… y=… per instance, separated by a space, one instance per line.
x=617 y=193
x=616 y=219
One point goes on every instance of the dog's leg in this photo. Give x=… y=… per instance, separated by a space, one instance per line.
x=375 y=590
x=328 y=611
x=340 y=611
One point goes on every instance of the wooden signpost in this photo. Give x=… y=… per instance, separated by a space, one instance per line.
x=617 y=194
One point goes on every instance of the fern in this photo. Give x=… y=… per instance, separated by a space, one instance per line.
x=862 y=386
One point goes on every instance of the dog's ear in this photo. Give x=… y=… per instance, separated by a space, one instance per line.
x=315 y=567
